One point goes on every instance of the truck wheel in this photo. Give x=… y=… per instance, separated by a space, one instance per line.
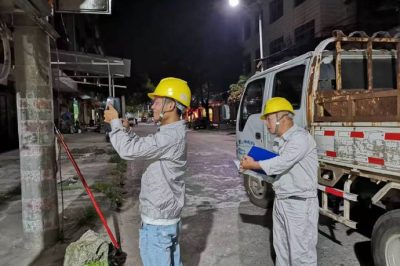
x=260 y=193
x=386 y=239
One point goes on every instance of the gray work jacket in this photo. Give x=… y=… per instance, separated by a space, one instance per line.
x=162 y=193
x=296 y=167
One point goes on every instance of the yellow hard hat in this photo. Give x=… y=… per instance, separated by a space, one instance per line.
x=174 y=88
x=277 y=104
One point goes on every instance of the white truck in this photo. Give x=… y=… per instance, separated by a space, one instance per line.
x=347 y=94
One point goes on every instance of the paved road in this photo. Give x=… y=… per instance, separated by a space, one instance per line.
x=220 y=225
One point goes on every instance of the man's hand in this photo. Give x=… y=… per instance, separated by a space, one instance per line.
x=248 y=162
x=110 y=114
x=125 y=123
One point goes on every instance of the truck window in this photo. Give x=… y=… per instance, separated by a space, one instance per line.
x=252 y=101
x=327 y=76
x=384 y=73
x=288 y=84
x=355 y=75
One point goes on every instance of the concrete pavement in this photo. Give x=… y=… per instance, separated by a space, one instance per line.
x=92 y=154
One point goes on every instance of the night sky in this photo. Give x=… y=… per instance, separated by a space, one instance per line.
x=196 y=40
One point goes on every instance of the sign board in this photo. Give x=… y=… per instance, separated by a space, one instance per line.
x=84 y=6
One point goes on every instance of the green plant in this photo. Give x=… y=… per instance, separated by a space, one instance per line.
x=121 y=166
x=96 y=263
x=111 y=191
x=115 y=158
x=236 y=90
x=77 y=185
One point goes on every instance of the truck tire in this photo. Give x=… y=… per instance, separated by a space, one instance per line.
x=261 y=193
x=386 y=239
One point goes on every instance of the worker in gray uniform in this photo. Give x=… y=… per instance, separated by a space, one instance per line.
x=295 y=211
x=162 y=193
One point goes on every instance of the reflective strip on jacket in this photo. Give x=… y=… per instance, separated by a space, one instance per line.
x=164 y=153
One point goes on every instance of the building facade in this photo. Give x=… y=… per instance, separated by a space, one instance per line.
x=292 y=27
x=81 y=79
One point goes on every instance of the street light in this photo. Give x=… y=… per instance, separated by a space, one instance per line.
x=235 y=3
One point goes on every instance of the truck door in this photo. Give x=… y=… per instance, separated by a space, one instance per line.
x=249 y=132
x=249 y=126
x=289 y=83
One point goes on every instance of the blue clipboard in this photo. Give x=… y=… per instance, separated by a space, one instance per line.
x=260 y=154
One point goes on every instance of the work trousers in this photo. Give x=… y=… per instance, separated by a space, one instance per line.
x=159 y=245
x=295 y=231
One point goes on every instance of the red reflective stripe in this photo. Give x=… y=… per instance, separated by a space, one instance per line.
x=331 y=153
x=392 y=136
x=329 y=133
x=334 y=192
x=356 y=134
x=373 y=160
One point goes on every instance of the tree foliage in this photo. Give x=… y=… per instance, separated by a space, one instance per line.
x=236 y=90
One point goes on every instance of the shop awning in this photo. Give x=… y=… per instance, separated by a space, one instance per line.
x=63 y=83
x=93 y=64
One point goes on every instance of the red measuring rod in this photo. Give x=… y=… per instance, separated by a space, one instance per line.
x=88 y=191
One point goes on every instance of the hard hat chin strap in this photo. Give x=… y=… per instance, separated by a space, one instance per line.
x=162 y=110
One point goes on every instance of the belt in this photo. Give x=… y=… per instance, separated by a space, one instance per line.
x=296 y=198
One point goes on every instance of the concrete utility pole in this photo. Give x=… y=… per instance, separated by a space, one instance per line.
x=36 y=134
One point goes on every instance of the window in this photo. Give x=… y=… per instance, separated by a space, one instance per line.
x=252 y=101
x=225 y=112
x=276 y=45
x=288 y=84
x=298 y=2
x=247 y=30
x=384 y=73
x=304 y=33
x=355 y=76
x=275 y=10
x=327 y=75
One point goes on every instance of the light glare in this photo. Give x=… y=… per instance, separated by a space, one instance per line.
x=233 y=3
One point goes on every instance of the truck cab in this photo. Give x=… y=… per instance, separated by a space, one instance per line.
x=346 y=93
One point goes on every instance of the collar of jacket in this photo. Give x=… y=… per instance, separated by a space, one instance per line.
x=288 y=133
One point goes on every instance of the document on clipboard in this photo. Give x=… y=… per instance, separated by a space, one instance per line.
x=259 y=174
x=258 y=154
